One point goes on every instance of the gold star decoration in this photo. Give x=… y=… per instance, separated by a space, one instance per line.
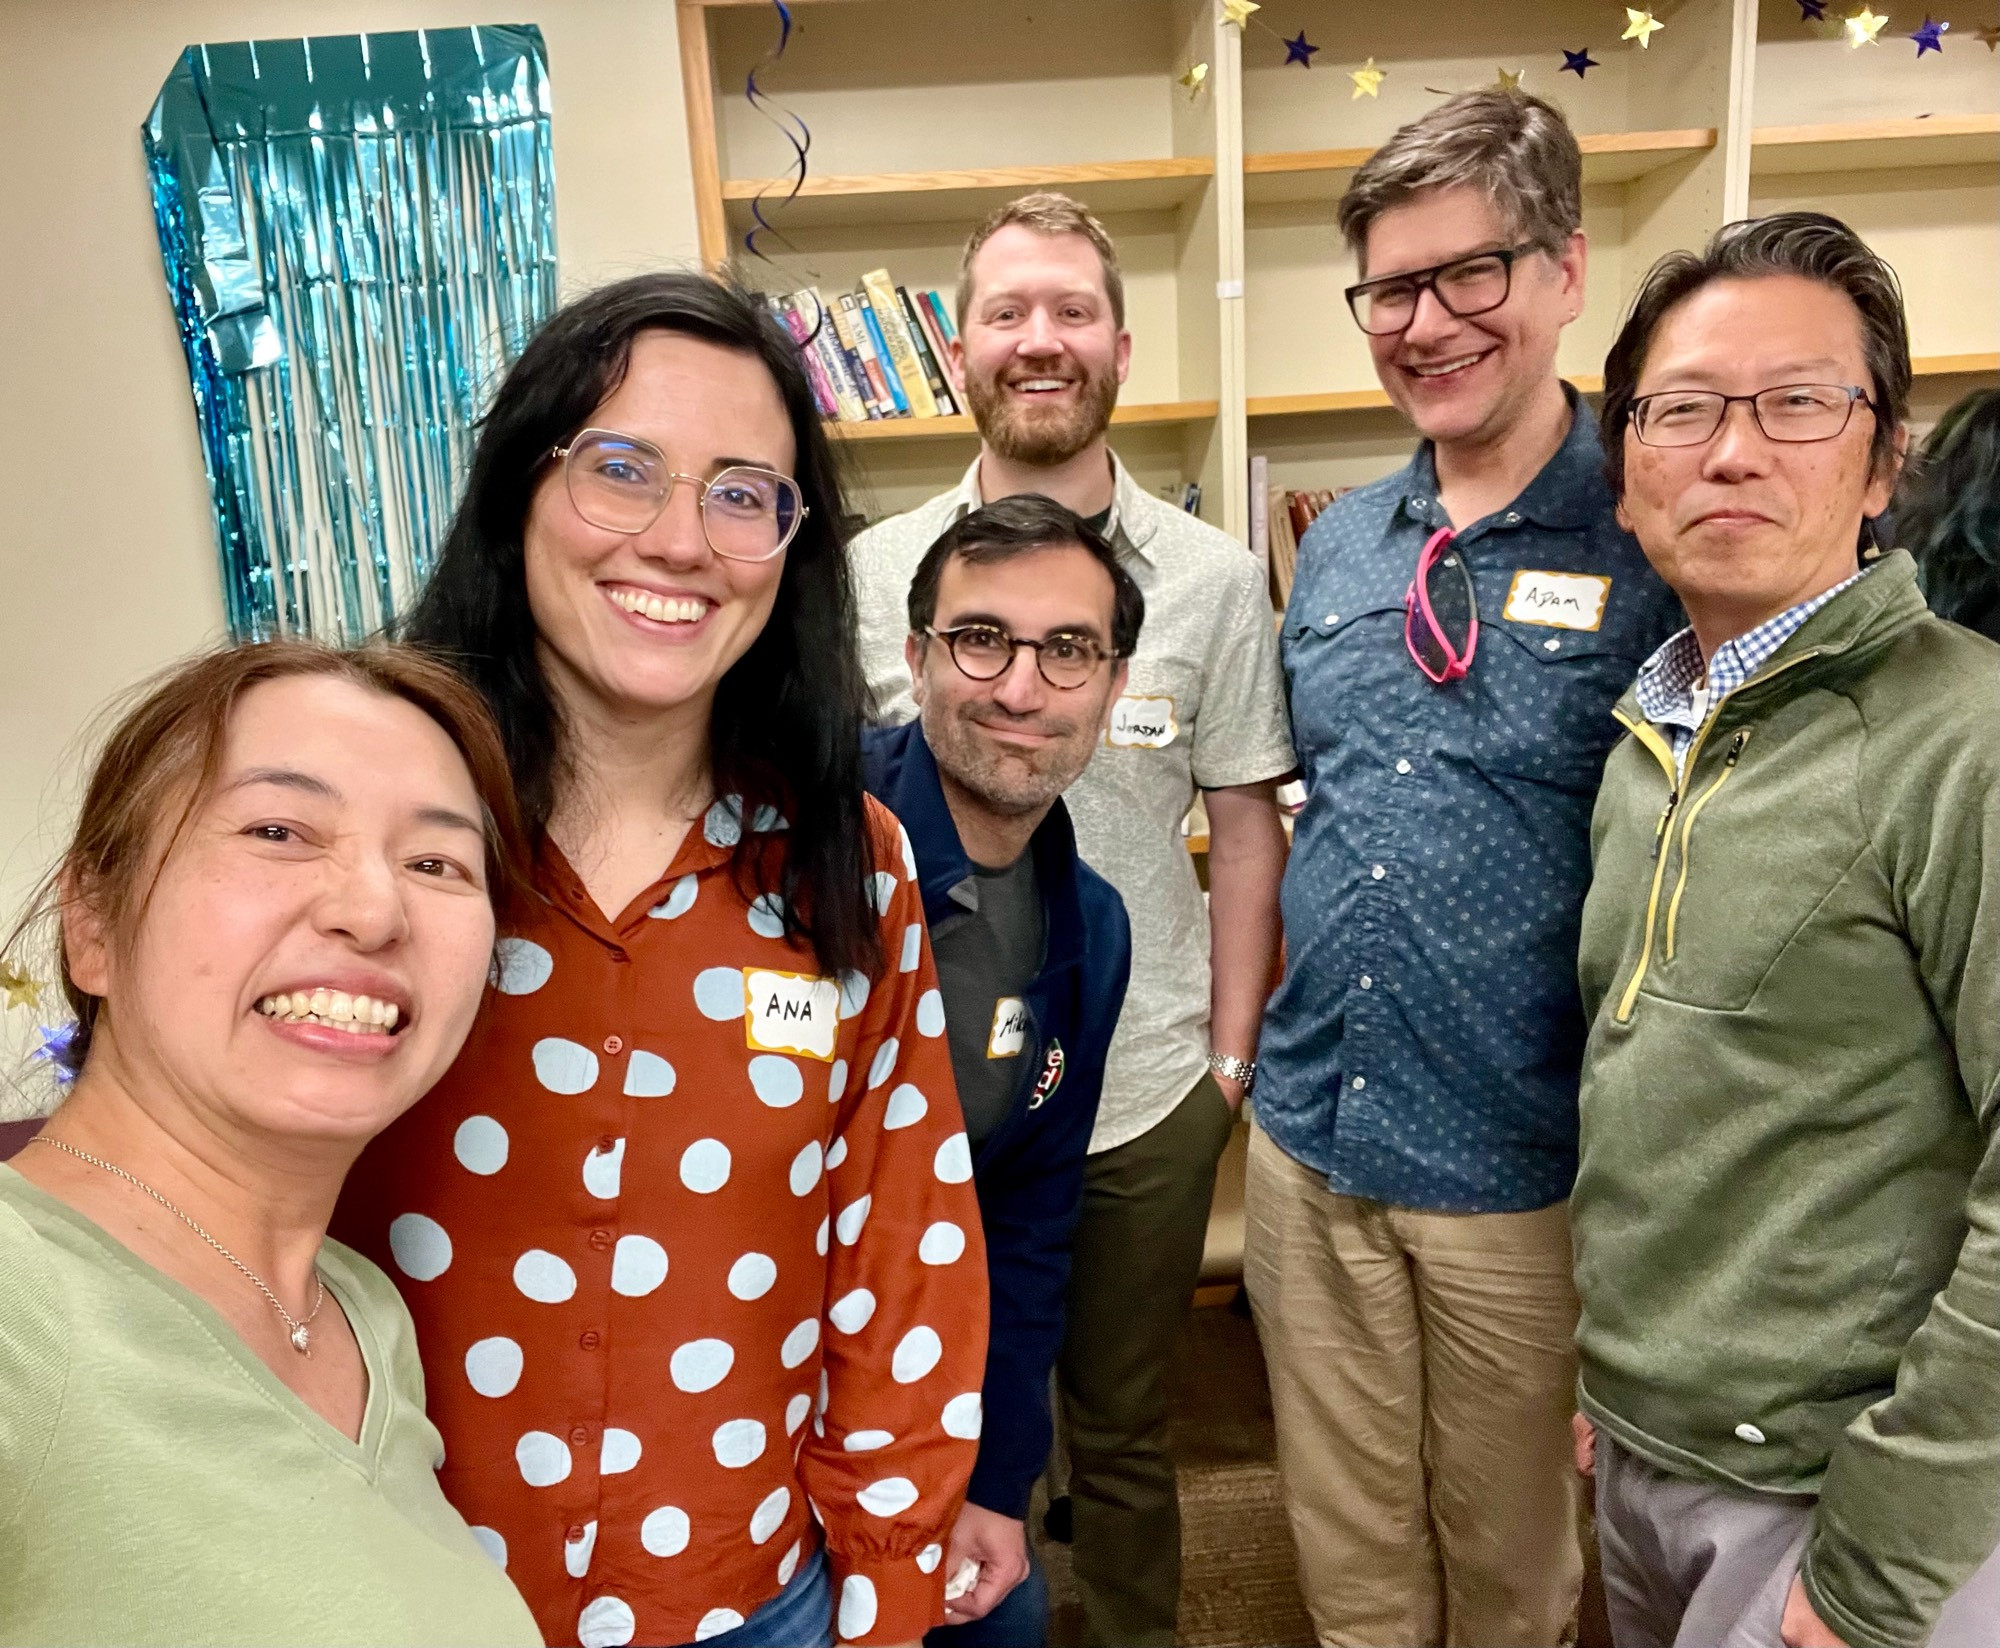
x=1238 y=11
x=1989 y=37
x=20 y=990
x=1640 y=26
x=1367 y=80
x=1862 y=28
x=1193 y=79
x=1508 y=80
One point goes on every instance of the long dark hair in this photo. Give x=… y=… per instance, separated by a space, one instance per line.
x=786 y=727
x=1948 y=514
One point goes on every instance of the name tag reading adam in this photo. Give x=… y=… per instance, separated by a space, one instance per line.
x=1010 y=1029
x=790 y=1013
x=1561 y=600
x=1142 y=723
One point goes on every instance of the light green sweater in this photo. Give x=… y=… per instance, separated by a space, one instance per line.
x=1788 y=1209
x=158 y=1484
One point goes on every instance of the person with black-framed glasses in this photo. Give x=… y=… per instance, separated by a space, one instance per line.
x=1788 y=1207
x=1021 y=619
x=1456 y=637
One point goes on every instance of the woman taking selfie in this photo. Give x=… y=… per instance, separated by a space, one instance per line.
x=276 y=920
x=689 y=1231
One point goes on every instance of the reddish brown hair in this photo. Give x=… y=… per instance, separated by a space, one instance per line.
x=165 y=753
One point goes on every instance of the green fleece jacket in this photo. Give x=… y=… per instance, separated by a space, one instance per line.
x=1788 y=1208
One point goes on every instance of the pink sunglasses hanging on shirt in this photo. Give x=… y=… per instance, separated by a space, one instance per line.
x=1441 y=612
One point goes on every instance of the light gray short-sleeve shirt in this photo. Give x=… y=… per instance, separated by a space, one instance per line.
x=1204 y=707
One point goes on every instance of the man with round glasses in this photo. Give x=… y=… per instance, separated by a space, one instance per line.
x=1788 y=1209
x=1456 y=638
x=1021 y=619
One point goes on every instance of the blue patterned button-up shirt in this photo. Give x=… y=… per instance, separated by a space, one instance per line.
x=1424 y=1046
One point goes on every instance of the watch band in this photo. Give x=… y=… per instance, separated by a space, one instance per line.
x=1237 y=1070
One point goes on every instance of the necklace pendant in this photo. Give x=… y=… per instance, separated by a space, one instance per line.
x=302 y=1340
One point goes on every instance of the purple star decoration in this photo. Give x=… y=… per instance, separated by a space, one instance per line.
x=54 y=1049
x=1299 y=51
x=1580 y=63
x=1812 y=11
x=1930 y=36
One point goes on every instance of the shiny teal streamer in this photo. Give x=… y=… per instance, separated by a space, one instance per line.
x=359 y=237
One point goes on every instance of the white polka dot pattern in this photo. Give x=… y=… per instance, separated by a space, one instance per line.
x=820 y=1235
x=648 y=1076
x=941 y=1244
x=769 y=1515
x=705 y=1166
x=718 y=993
x=492 y=1544
x=493 y=1366
x=930 y=1014
x=852 y=1217
x=480 y=1144
x=606 y=1622
x=678 y=902
x=788 y=1564
x=618 y=1453
x=752 y=1276
x=892 y=1496
x=564 y=1066
x=884 y=891
x=767 y=916
x=722 y=824
x=603 y=1170
x=544 y=1277
x=929 y=1558
x=836 y=1153
x=865 y=1441
x=576 y=1552
x=543 y=1459
x=962 y=1415
x=851 y=1311
x=421 y=1247
x=797 y=1411
x=715 y=1622
x=884 y=1065
x=738 y=1442
x=665 y=1531
x=800 y=1343
x=908 y=849
x=917 y=1352
x=857 y=1606
x=906 y=1108
x=638 y=1265
x=836 y=1082
x=805 y=1168
x=854 y=989
x=521 y=967
x=700 y=1364
x=776 y=1081
x=913 y=949
x=953 y=1162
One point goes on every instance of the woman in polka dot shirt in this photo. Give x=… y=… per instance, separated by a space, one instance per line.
x=689 y=1231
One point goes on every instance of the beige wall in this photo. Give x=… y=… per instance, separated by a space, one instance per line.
x=107 y=556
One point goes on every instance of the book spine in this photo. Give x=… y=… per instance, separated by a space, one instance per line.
x=822 y=387
x=1260 y=511
x=927 y=360
x=920 y=301
x=826 y=345
x=896 y=334
x=855 y=327
x=843 y=336
x=892 y=381
x=942 y=315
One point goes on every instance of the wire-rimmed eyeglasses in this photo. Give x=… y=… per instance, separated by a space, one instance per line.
x=622 y=484
x=1466 y=286
x=984 y=652
x=1792 y=412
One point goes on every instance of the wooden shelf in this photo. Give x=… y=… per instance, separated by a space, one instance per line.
x=1940 y=366
x=920 y=429
x=1876 y=145
x=1608 y=157
x=1363 y=400
x=962 y=197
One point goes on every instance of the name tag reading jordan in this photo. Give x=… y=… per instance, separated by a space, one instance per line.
x=1561 y=600
x=1010 y=1028
x=790 y=1013
x=1139 y=723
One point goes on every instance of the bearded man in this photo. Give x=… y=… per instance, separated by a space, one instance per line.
x=1042 y=350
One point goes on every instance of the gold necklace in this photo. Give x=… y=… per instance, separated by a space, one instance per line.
x=301 y=1338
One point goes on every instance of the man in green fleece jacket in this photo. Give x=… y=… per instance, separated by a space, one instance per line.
x=1787 y=1215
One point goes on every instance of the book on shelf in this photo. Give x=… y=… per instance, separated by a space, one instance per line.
x=849 y=401
x=929 y=360
x=1288 y=513
x=879 y=351
x=852 y=323
x=878 y=343
x=895 y=330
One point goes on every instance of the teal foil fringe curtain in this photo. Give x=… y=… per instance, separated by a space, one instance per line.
x=359 y=237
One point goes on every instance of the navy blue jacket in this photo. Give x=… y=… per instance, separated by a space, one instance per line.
x=1029 y=1172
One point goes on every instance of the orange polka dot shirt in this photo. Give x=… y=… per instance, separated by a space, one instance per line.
x=692 y=1245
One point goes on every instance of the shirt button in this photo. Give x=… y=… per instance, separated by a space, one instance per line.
x=606 y=1144
x=579 y=1436
x=618 y=954
x=600 y=1239
x=1367 y=983
x=1378 y=872
x=1551 y=645
x=614 y=1044
x=1403 y=767
x=1359 y=1083
x=1513 y=519
x=575 y=1534
x=1332 y=618
x=587 y=1339
x=1749 y=1433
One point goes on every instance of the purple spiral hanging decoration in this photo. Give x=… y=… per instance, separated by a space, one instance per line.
x=794 y=131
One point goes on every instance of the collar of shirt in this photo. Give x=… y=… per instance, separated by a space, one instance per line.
x=903 y=775
x=709 y=841
x=1674 y=690
x=1133 y=520
x=1566 y=496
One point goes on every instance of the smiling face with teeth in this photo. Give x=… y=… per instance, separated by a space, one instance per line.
x=1470 y=381
x=640 y=627
x=316 y=941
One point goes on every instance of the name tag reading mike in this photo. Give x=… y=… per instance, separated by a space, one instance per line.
x=1010 y=1028
x=790 y=1013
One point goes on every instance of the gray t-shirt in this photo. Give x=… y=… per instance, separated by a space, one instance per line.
x=987 y=955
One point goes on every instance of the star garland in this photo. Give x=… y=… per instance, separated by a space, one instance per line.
x=1579 y=63
x=1641 y=26
x=1367 y=80
x=1929 y=38
x=1862 y=28
x=1299 y=50
x=1812 y=11
x=1194 y=79
x=19 y=989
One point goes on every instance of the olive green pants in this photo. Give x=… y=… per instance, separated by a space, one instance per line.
x=1134 y=1266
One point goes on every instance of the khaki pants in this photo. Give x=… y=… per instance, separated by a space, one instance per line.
x=1133 y=1268
x=1422 y=1377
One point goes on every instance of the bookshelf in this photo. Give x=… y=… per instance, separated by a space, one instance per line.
x=1736 y=107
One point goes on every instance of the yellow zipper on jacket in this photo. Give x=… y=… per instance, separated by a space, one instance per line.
x=1687 y=829
x=1648 y=735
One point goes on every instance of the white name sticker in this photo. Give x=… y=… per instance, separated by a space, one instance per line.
x=1142 y=723
x=790 y=1013
x=1562 y=600
x=1010 y=1029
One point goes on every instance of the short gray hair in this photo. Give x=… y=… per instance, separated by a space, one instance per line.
x=1515 y=149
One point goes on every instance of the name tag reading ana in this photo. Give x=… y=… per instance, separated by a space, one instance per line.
x=790 y=1013
x=1142 y=723
x=1010 y=1028
x=1561 y=600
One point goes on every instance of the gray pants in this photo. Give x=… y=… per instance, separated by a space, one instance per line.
x=1690 y=1565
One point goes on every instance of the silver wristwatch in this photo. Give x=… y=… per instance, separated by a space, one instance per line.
x=1237 y=1070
